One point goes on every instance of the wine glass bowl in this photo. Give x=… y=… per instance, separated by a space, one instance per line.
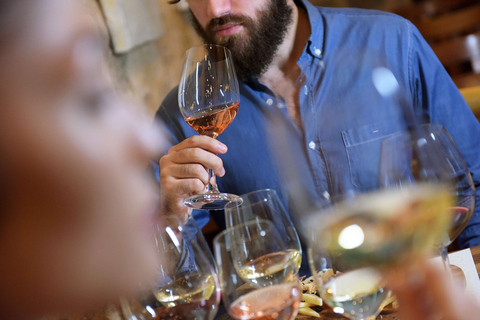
x=208 y=98
x=382 y=228
x=463 y=187
x=187 y=284
x=345 y=243
x=353 y=240
x=265 y=205
x=259 y=279
x=397 y=169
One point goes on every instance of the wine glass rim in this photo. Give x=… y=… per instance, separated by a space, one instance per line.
x=236 y=203
x=359 y=202
x=267 y=190
x=223 y=234
x=209 y=46
x=436 y=129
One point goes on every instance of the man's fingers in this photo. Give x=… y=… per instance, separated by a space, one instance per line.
x=202 y=142
x=188 y=187
x=186 y=171
x=199 y=156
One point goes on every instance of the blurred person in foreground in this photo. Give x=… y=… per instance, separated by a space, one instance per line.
x=76 y=202
x=313 y=66
x=423 y=291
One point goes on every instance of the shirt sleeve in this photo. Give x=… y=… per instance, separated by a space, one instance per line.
x=437 y=98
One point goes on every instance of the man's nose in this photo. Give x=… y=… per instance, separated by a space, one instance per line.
x=218 y=8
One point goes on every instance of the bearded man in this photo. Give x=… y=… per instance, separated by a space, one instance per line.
x=314 y=66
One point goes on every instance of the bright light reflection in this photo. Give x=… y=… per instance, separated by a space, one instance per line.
x=421 y=142
x=173 y=237
x=151 y=311
x=197 y=98
x=351 y=237
x=472 y=43
x=338 y=310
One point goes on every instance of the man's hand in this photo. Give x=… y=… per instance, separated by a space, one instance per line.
x=184 y=172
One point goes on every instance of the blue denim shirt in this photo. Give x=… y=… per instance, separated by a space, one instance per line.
x=343 y=116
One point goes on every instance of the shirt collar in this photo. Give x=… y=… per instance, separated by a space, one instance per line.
x=315 y=43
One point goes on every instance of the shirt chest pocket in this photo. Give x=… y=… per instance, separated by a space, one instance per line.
x=363 y=151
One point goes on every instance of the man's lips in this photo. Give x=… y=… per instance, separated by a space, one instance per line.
x=226 y=30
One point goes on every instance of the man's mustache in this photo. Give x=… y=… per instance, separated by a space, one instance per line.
x=216 y=22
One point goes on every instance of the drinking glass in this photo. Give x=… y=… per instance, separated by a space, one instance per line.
x=343 y=250
x=208 y=98
x=265 y=205
x=187 y=284
x=397 y=154
x=405 y=217
x=259 y=280
x=354 y=239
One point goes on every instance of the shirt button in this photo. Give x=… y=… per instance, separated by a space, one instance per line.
x=269 y=102
x=318 y=52
x=305 y=89
x=312 y=145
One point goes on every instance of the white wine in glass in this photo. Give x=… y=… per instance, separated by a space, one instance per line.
x=187 y=286
x=208 y=98
x=265 y=205
x=259 y=280
x=354 y=239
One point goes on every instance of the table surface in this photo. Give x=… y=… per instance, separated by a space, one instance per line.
x=113 y=314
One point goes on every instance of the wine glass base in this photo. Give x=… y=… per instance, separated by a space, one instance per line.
x=211 y=201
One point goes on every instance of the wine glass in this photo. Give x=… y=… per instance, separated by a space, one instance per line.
x=354 y=239
x=208 y=97
x=259 y=280
x=187 y=284
x=361 y=233
x=397 y=154
x=265 y=205
x=343 y=250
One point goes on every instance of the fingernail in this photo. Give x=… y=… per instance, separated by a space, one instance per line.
x=222 y=173
x=222 y=148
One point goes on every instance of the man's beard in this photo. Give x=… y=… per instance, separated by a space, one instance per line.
x=253 y=53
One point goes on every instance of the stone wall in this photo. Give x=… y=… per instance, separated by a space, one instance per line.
x=147 y=73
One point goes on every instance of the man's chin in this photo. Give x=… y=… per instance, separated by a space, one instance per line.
x=234 y=43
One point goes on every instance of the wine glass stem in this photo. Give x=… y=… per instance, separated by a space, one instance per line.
x=210 y=187
x=446 y=262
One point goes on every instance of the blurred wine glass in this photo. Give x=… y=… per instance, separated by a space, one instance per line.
x=351 y=241
x=208 y=98
x=363 y=231
x=357 y=226
x=187 y=284
x=259 y=280
x=399 y=168
x=265 y=205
